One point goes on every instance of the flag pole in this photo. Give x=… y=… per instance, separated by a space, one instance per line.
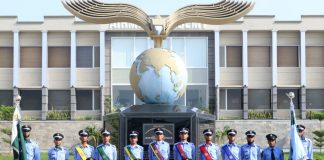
x=296 y=151
x=17 y=138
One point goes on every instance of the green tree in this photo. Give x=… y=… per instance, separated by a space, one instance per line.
x=113 y=126
x=221 y=134
x=107 y=104
x=319 y=139
x=94 y=135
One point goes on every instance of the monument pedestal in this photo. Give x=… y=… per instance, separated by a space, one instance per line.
x=144 y=118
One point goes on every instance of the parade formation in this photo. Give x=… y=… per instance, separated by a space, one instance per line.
x=160 y=149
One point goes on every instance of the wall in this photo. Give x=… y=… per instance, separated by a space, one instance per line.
x=263 y=127
x=42 y=132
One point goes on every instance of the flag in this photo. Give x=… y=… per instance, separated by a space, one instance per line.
x=297 y=151
x=17 y=137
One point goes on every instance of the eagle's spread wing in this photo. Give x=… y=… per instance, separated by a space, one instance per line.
x=104 y=13
x=222 y=12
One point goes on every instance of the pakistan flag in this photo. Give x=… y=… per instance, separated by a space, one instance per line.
x=17 y=137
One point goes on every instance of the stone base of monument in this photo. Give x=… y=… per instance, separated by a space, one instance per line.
x=144 y=118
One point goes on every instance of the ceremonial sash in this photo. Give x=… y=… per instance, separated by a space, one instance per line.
x=204 y=151
x=102 y=153
x=182 y=153
x=156 y=152
x=129 y=153
x=229 y=153
x=81 y=153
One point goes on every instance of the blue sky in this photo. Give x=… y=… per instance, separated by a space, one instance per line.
x=34 y=10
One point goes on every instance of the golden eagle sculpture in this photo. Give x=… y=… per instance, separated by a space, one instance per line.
x=158 y=76
x=158 y=28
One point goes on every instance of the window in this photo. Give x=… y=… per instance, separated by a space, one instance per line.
x=59 y=57
x=315 y=56
x=196 y=52
x=259 y=56
x=138 y=101
x=284 y=101
x=125 y=50
x=88 y=99
x=123 y=96
x=193 y=50
x=6 y=57
x=30 y=57
x=59 y=100
x=88 y=57
x=166 y=43
x=231 y=99
x=196 y=96
x=31 y=99
x=233 y=56
x=178 y=46
x=259 y=99
x=6 y=97
x=314 y=99
x=181 y=100
x=222 y=56
x=140 y=46
x=288 y=56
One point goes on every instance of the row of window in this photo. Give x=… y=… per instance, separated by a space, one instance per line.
x=232 y=99
x=58 y=57
x=192 y=50
x=196 y=96
x=57 y=99
x=260 y=56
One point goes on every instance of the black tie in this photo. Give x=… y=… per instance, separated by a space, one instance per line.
x=272 y=155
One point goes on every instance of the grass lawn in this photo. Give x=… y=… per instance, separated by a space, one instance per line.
x=316 y=156
x=43 y=157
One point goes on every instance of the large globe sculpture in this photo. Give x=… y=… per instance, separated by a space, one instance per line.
x=158 y=76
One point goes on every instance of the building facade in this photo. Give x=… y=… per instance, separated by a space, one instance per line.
x=66 y=65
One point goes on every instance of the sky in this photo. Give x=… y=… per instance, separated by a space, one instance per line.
x=287 y=10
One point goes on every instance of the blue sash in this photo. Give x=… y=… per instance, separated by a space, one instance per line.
x=229 y=153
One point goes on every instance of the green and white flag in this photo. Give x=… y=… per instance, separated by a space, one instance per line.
x=296 y=151
x=17 y=137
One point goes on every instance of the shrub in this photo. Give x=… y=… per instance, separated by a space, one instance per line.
x=221 y=134
x=58 y=115
x=260 y=115
x=87 y=118
x=315 y=115
x=6 y=112
x=94 y=135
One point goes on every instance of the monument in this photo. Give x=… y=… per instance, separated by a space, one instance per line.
x=158 y=76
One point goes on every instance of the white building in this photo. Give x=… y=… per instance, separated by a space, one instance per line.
x=63 y=64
